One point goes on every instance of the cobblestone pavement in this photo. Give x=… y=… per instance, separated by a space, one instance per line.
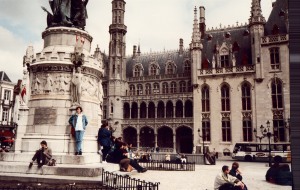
x=203 y=177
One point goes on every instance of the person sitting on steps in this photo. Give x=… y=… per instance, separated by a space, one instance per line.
x=42 y=156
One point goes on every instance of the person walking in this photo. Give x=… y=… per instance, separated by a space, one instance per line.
x=104 y=140
x=42 y=156
x=79 y=122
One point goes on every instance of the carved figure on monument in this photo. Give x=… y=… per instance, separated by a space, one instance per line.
x=48 y=83
x=62 y=82
x=67 y=13
x=23 y=95
x=36 y=84
x=76 y=86
x=77 y=58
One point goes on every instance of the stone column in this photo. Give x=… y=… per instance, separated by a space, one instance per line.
x=174 y=111
x=147 y=112
x=174 y=142
x=138 y=139
x=155 y=137
x=21 y=129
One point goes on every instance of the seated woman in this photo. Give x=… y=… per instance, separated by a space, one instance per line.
x=121 y=156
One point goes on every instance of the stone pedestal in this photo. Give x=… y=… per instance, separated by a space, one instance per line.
x=65 y=56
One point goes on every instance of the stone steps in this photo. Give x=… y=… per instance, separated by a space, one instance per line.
x=60 y=159
x=59 y=170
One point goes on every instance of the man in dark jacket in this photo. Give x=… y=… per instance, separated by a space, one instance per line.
x=104 y=135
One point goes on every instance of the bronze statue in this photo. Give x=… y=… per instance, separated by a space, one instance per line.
x=67 y=13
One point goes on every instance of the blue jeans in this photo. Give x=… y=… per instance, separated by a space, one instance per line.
x=78 y=137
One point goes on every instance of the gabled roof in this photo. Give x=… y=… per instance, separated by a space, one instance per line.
x=4 y=77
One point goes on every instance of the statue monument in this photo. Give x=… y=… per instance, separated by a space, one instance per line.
x=67 y=13
x=62 y=76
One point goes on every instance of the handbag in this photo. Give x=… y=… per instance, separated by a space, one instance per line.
x=72 y=131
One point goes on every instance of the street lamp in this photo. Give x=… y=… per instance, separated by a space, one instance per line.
x=203 y=150
x=265 y=131
x=262 y=132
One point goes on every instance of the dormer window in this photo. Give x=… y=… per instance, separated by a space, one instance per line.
x=138 y=71
x=187 y=67
x=224 y=58
x=209 y=37
x=154 y=69
x=227 y=35
x=170 y=69
x=246 y=33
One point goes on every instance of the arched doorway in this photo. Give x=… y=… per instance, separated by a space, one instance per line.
x=130 y=136
x=184 y=140
x=165 y=137
x=147 y=137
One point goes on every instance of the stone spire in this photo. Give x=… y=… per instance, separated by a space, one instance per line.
x=256 y=13
x=196 y=30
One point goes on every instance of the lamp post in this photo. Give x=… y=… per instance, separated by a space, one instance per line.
x=203 y=150
x=265 y=131
x=262 y=131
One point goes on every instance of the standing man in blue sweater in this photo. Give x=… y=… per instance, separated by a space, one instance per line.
x=79 y=122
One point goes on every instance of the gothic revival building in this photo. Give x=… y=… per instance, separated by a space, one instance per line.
x=230 y=81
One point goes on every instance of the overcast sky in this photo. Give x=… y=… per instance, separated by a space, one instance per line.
x=156 y=24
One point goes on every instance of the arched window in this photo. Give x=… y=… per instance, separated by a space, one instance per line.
x=154 y=70
x=274 y=58
x=205 y=99
x=139 y=90
x=226 y=131
x=182 y=86
x=161 y=110
x=126 y=110
x=173 y=87
x=132 y=90
x=206 y=130
x=170 y=69
x=151 y=110
x=224 y=56
x=187 y=68
x=137 y=71
x=179 y=109
x=104 y=87
x=277 y=94
x=169 y=110
x=143 y=110
x=134 y=110
x=188 y=112
x=189 y=86
x=165 y=88
x=148 y=89
x=156 y=88
x=225 y=99
x=246 y=97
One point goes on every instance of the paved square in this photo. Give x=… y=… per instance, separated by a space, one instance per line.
x=204 y=175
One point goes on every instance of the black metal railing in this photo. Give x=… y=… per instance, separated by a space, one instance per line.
x=116 y=181
x=6 y=185
x=168 y=165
